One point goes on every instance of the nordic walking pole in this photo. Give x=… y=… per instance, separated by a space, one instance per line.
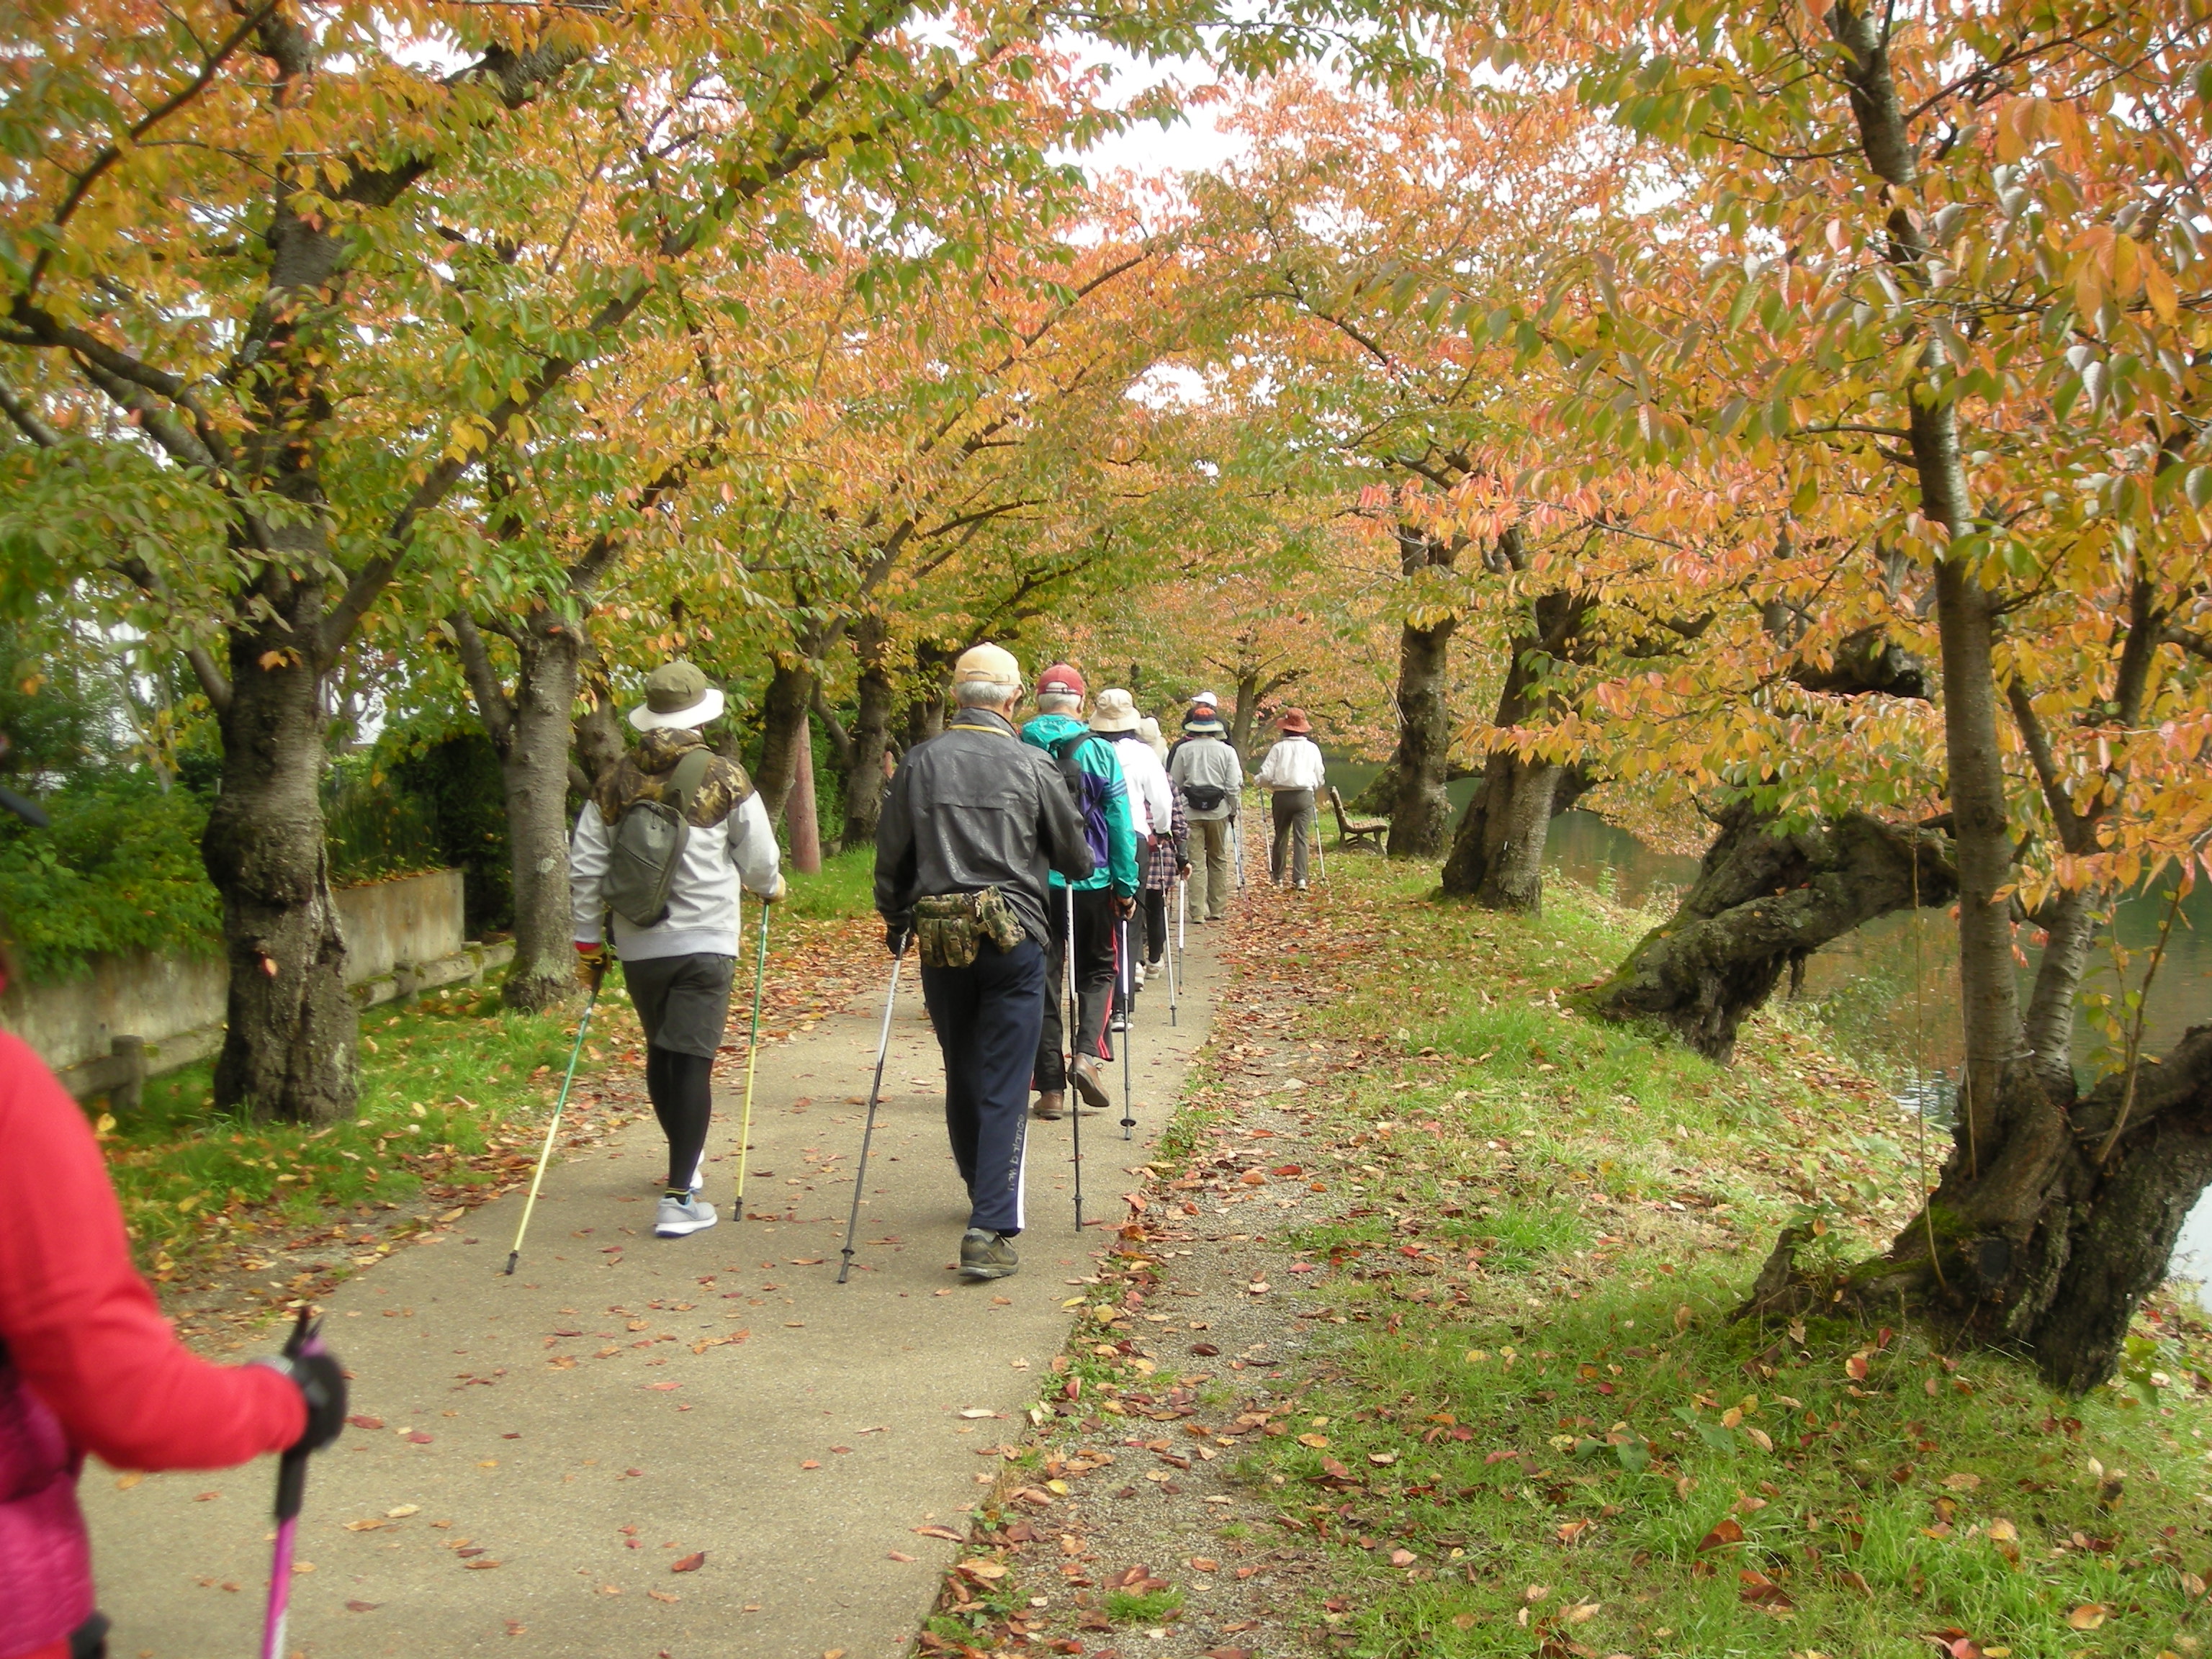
x=1128 y=1027
x=1175 y=951
x=875 y=1093
x=1074 y=1040
x=752 y=1058
x=545 y=1155
x=291 y=1490
x=1321 y=849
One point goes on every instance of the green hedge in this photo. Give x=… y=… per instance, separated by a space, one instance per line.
x=119 y=871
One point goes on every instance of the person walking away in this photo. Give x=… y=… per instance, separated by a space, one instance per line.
x=974 y=826
x=1203 y=707
x=1294 y=773
x=1109 y=893
x=1210 y=779
x=678 y=941
x=1149 y=730
x=1151 y=812
x=88 y=1365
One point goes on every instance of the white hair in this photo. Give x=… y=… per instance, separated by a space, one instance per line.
x=1058 y=702
x=986 y=694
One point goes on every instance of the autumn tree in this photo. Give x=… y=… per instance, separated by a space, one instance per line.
x=1958 y=325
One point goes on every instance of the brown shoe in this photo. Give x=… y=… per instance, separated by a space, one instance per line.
x=1085 y=1075
x=1049 y=1104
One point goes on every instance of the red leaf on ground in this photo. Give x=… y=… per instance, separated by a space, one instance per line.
x=1760 y=1591
x=365 y=1422
x=419 y=1438
x=690 y=1563
x=1729 y=1531
x=363 y=1607
x=939 y=1532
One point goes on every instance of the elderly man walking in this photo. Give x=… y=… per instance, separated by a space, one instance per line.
x=1293 y=772
x=1087 y=762
x=974 y=826
x=674 y=894
x=1210 y=779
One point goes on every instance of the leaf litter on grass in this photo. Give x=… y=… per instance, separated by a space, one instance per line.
x=1528 y=1232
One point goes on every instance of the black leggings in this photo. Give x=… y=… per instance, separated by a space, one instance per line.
x=681 y=1088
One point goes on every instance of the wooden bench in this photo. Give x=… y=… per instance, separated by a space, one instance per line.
x=1370 y=833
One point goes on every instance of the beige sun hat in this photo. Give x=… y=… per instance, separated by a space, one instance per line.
x=677 y=694
x=1113 y=710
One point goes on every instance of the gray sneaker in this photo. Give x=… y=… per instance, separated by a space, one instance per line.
x=678 y=1217
x=988 y=1256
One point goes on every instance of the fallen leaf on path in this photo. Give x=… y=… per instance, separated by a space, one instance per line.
x=419 y=1438
x=2088 y=1616
x=986 y=1571
x=403 y=1512
x=939 y=1532
x=899 y=1555
x=663 y=1388
x=124 y=1482
x=690 y=1563
x=478 y=1567
x=977 y=1411
x=363 y=1607
x=663 y=1595
x=811 y=1463
x=365 y=1422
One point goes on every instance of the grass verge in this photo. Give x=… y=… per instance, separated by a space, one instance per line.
x=1540 y=1431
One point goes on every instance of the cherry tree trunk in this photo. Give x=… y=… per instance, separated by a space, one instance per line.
x=871 y=736
x=1421 y=815
x=534 y=767
x=783 y=729
x=287 y=1048
x=1765 y=898
x=802 y=818
x=1497 y=856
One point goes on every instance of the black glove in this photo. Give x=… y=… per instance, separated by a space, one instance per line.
x=896 y=935
x=322 y=1384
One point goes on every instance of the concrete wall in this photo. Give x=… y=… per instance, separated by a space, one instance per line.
x=173 y=1004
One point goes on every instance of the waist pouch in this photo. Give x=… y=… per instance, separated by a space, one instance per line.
x=951 y=927
x=1206 y=797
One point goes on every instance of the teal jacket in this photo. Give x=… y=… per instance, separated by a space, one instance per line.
x=1104 y=805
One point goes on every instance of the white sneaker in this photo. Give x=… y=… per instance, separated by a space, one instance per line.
x=678 y=1217
x=1139 y=973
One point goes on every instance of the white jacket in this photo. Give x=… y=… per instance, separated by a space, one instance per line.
x=1152 y=807
x=1293 y=763
x=703 y=900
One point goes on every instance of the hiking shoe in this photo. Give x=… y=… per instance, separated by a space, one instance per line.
x=1119 y=1022
x=986 y=1254
x=678 y=1217
x=1085 y=1075
x=1049 y=1102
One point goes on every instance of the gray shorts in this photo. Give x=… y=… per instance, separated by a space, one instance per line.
x=682 y=1002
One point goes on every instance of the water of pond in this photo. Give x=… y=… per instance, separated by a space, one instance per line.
x=1891 y=988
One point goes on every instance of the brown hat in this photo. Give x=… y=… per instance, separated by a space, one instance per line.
x=1294 y=722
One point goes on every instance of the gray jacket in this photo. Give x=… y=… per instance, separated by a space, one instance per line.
x=1208 y=762
x=977 y=807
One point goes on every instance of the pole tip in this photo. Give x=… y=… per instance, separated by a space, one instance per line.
x=512 y=1257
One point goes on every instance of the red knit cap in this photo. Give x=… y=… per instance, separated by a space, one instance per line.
x=1062 y=677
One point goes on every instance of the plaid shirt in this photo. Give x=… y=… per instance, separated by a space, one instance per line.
x=1170 y=852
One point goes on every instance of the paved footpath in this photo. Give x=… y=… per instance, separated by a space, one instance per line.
x=552 y=1446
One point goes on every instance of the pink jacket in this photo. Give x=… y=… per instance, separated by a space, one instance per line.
x=87 y=1363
